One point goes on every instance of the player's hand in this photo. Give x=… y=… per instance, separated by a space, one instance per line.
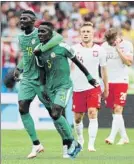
x=37 y=52
x=105 y=94
x=45 y=97
x=9 y=80
x=17 y=73
x=93 y=82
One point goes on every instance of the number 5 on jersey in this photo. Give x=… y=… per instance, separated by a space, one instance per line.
x=49 y=64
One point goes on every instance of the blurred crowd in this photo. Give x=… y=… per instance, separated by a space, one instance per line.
x=66 y=17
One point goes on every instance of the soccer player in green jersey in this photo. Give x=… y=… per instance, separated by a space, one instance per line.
x=30 y=83
x=58 y=85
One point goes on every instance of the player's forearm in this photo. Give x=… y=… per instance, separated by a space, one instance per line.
x=104 y=77
x=82 y=68
x=125 y=59
x=56 y=39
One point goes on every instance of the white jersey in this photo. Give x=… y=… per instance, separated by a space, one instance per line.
x=117 y=71
x=91 y=58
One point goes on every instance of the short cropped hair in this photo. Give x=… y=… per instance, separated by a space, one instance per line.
x=87 y=23
x=49 y=24
x=29 y=12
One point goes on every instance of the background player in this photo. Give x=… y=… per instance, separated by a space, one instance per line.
x=85 y=97
x=29 y=85
x=58 y=85
x=119 y=57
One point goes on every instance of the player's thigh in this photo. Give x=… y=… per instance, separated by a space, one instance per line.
x=110 y=99
x=38 y=90
x=120 y=95
x=61 y=96
x=93 y=98
x=79 y=102
x=26 y=91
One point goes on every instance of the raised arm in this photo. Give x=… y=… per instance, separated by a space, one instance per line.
x=126 y=57
x=55 y=40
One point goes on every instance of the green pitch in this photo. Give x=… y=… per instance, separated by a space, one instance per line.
x=16 y=146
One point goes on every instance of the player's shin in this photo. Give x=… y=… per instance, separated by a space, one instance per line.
x=79 y=131
x=92 y=132
x=63 y=128
x=124 y=138
x=114 y=129
x=30 y=128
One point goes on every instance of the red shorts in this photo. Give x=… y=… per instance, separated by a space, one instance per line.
x=86 y=99
x=117 y=94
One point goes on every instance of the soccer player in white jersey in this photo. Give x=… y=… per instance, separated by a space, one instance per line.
x=119 y=57
x=85 y=97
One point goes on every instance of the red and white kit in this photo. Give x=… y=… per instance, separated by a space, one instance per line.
x=85 y=95
x=117 y=73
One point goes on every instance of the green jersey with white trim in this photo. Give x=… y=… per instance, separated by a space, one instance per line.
x=56 y=66
x=27 y=44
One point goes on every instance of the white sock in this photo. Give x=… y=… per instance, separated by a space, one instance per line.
x=122 y=129
x=79 y=130
x=115 y=126
x=92 y=131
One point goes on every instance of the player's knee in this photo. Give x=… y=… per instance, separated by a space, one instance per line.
x=56 y=112
x=78 y=120
x=118 y=109
x=24 y=106
x=92 y=113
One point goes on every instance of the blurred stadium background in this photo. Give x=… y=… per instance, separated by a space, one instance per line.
x=66 y=17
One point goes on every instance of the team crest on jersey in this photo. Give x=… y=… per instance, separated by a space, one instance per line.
x=53 y=55
x=33 y=41
x=95 y=53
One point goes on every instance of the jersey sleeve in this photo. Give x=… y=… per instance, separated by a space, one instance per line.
x=103 y=61
x=70 y=53
x=55 y=40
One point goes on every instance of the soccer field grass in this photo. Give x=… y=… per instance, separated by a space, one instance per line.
x=16 y=146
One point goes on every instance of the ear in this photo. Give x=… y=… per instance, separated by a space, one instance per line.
x=33 y=20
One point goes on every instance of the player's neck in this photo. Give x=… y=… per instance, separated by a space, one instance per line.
x=46 y=40
x=88 y=44
x=29 y=31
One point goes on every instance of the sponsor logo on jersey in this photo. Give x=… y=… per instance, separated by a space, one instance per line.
x=95 y=53
x=33 y=41
x=53 y=55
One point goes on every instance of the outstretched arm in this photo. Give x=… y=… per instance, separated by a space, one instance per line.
x=85 y=71
x=70 y=53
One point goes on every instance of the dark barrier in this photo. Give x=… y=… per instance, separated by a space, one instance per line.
x=105 y=115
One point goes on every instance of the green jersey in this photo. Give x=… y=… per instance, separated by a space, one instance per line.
x=27 y=44
x=56 y=66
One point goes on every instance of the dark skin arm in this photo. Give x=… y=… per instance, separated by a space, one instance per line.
x=85 y=71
